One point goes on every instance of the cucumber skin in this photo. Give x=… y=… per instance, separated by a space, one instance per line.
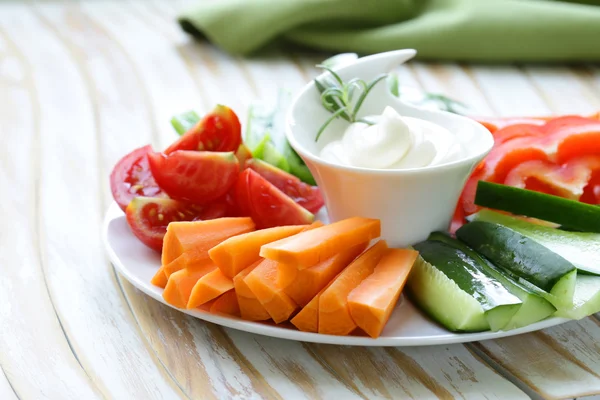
x=498 y=304
x=574 y=214
x=582 y=249
x=516 y=253
x=534 y=306
x=426 y=284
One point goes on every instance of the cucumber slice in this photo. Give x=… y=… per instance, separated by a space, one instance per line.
x=535 y=264
x=582 y=249
x=586 y=300
x=534 y=307
x=574 y=214
x=497 y=304
x=443 y=300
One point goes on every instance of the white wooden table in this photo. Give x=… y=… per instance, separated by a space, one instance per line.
x=81 y=84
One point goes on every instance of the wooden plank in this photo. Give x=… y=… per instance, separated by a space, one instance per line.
x=195 y=354
x=35 y=357
x=82 y=286
x=557 y=363
x=444 y=372
x=291 y=370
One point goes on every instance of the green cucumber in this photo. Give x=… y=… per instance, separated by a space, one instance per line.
x=582 y=249
x=586 y=300
x=534 y=308
x=571 y=213
x=533 y=263
x=185 y=121
x=455 y=290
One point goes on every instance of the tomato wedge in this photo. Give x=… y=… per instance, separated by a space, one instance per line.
x=220 y=130
x=302 y=193
x=131 y=177
x=199 y=177
x=265 y=204
x=148 y=217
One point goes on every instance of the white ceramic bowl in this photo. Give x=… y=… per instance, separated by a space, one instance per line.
x=410 y=203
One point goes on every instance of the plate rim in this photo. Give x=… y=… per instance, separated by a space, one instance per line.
x=113 y=212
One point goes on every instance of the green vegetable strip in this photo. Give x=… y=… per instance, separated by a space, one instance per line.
x=516 y=253
x=576 y=215
x=185 y=121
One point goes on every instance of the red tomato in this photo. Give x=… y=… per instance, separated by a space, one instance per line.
x=304 y=194
x=220 y=130
x=267 y=205
x=131 y=177
x=199 y=177
x=148 y=217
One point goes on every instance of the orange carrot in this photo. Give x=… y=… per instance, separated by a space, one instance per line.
x=208 y=287
x=334 y=313
x=307 y=249
x=197 y=237
x=262 y=280
x=180 y=284
x=238 y=252
x=227 y=303
x=372 y=301
x=160 y=278
x=308 y=282
x=250 y=307
x=307 y=320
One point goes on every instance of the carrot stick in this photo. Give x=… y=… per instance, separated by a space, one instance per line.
x=208 y=287
x=250 y=307
x=160 y=278
x=308 y=282
x=262 y=280
x=334 y=313
x=196 y=238
x=372 y=301
x=238 y=252
x=307 y=249
x=180 y=284
x=307 y=320
x=227 y=303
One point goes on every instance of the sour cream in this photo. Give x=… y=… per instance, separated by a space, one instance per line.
x=393 y=142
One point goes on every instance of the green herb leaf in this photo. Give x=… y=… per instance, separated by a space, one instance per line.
x=338 y=97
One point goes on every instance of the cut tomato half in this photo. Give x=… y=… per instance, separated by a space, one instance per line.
x=148 y=217
x=198 y=177
x=220 y=130
x=302 y=193
x=131 y=177
x=266 y=205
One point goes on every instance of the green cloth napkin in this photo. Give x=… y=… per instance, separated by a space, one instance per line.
x=463 y=30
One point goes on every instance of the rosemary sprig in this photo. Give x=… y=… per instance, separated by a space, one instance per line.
x=342 y=99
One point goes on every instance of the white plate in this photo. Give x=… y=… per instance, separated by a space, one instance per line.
x=406 y=327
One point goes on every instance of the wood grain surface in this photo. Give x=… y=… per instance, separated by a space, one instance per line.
x=83 y=83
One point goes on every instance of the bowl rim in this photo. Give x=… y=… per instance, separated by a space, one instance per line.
x=290 y=122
